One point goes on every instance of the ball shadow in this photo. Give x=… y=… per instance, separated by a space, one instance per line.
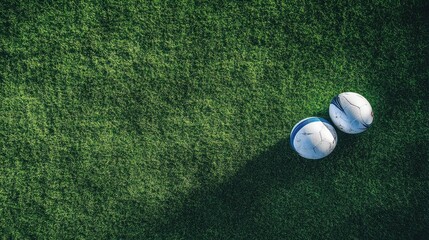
x=231 y=208
x=384 y=224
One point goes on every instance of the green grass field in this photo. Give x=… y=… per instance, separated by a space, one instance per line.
x=171 y=119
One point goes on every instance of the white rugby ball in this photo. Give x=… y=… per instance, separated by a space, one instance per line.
x=313 y=138
x=351 y=112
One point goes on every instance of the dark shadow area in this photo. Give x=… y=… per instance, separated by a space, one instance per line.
x=384 y=224
x=231 y=209
x=417 y=14
x=419 y=160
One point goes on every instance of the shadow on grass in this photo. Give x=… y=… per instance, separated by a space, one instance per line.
x=232 y=209
x=384 y=224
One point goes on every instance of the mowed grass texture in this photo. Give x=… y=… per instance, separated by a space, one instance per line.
x=171 y=119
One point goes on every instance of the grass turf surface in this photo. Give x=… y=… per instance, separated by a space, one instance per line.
x=170 y=119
